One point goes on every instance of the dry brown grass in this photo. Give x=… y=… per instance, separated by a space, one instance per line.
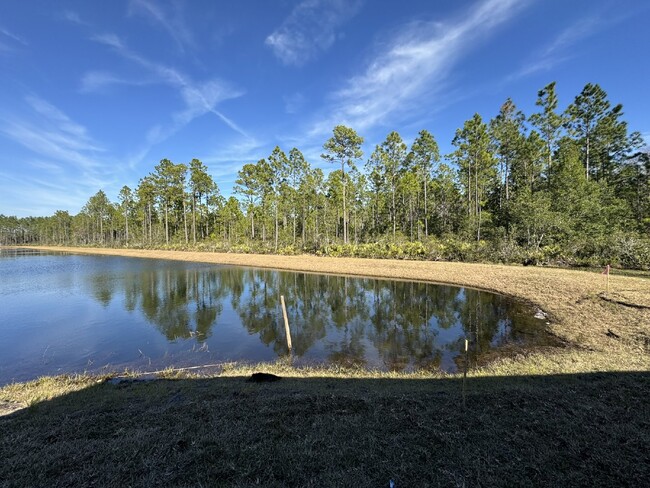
x=580 y=312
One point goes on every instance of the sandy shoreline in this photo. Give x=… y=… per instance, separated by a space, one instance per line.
x=579 y=311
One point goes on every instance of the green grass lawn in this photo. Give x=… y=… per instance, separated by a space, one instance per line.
x=590 y=429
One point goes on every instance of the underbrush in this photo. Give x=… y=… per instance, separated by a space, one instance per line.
x=624 y=251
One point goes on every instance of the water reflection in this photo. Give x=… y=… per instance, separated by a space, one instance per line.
x=181 y=303
x=336 y=319
x=64 y=312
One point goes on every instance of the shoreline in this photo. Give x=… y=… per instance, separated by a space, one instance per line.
x=558 y=416
x=580 y=313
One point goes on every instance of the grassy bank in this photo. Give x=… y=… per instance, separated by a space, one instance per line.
x=331 y=430
x=575 y=415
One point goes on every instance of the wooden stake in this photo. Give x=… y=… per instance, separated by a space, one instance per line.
x=606 y=273
x=286 y=322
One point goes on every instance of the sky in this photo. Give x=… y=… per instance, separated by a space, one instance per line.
x=93 y=94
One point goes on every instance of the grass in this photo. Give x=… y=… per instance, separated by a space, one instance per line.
x=345 y=429
x=576 y=415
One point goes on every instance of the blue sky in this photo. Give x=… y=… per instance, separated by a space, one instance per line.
x=94 y=93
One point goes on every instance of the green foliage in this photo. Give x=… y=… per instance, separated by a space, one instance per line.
x=569 y=187
x=344 y=147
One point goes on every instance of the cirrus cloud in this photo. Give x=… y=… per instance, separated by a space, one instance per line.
x=311 y=28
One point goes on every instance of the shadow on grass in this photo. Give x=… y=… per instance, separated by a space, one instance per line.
x=571 y=430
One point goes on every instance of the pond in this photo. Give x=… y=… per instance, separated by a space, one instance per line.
x=74 y=313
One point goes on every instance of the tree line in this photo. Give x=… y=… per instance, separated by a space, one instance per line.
x=569 y=186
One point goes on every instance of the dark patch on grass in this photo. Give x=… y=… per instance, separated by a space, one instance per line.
x=263 y=378
x=625 y=304
x=565 y=430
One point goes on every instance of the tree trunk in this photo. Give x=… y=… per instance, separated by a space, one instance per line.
x=187 y=240
x=166 y=225
x=507 y=182
x=587 y=156
x=276 y=226
x=345 y=227
x=394 y=212
x=411 y=216
x=426 y=216
x=194 y=218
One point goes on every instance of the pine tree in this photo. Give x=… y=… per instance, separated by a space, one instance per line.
x=548 y=122
x=476 y=165
x=425 y=156
x=344 y=147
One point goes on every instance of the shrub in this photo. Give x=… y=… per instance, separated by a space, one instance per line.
x=633 y=252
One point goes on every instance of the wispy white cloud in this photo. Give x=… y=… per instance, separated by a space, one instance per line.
x=556 y=51
x=417 y=61
x=95 y=81
x=239 y=152
x=198 y=98
x=203 y=95
x=109 y=39
x=32 y=195
x=52 y=134
x=294 y=103
x=204 y=98
x=74 y=17
x=174 y=23
x=48 y=166
x=13 y=37
x=56 y=119
x=63 y=152
x=311 y=28
x=9 y=42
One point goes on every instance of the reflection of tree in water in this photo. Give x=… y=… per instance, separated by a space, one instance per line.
x=306 y=310
x=405 y=323
x=402 y=320
x=103 y=286
x=349 y=350
x=315 y=303
x=482 y=318
x=131 y=291
x=181 y=303
x=207 y=290
x=258 y=308
x=164 y=302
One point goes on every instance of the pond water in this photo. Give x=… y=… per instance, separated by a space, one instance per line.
x=73 y=313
